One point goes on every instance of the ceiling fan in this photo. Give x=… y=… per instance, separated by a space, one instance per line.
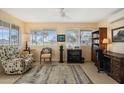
x=63 y=13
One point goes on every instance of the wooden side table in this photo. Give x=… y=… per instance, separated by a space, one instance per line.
x=31 y=51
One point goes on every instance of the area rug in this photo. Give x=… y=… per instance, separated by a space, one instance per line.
x=55 y=74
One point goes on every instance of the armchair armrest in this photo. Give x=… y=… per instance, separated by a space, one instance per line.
x=13 y=63
x=26 y=55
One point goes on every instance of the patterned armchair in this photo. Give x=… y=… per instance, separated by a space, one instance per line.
x=14 y=62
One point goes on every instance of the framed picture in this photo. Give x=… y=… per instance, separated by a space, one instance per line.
x=60 y=38
x=118 y=34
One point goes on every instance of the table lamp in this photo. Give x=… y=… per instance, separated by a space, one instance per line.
x=105 y=42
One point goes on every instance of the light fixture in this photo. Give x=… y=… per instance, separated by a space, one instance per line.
x=63 y=13
x=105 y=42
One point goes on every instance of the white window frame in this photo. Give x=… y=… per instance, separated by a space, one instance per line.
x=10 y=32
x=81 y=37
x=44 y=43
x=77 y=44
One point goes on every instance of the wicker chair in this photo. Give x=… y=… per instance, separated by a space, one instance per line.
x=46 y=53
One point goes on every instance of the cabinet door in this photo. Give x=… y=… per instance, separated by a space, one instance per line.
x=122 y=71
x=115 y=69
x=94 y=56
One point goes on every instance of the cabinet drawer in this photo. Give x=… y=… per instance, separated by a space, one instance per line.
x=117 y=78
x=115 y=70
x=106 y=55
x=116 y=59
x=116 y=63
x=116 y=73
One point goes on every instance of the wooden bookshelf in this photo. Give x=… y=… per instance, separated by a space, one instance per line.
x=97 y=38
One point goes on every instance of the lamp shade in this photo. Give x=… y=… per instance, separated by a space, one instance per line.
x=105 y=41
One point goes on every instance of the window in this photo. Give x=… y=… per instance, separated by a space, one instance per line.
x=50 y=37
x=43 y=37
x=1 y=36
x=9 y=35
x=5 y=36
x=85 y=38
x=4 y=32
x=73 y=38
x=33 y=38
x=14 y=35
x=39 y=37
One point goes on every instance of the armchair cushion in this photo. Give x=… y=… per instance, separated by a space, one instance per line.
x=45 y=55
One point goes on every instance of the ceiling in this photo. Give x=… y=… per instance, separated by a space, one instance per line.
x=84 y=15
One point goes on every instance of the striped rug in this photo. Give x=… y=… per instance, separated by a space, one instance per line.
x=55 y=74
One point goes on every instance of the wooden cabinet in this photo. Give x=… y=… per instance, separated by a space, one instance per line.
x=74 y=56
x=97 y=38
x=117 y=66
